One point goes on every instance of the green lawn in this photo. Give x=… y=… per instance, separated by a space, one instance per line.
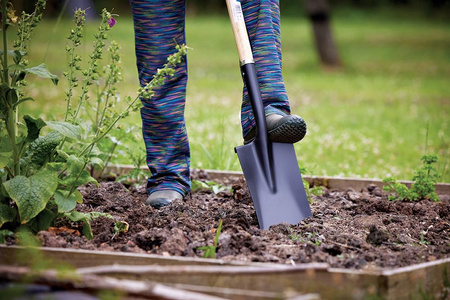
x=375 y=117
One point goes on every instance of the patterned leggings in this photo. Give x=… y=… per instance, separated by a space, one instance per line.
x=159 y=26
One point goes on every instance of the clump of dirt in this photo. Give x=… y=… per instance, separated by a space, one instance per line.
x=348 y=229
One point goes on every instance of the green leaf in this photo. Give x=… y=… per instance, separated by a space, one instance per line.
x=42 y=72
x=4 y=159
x=64 y=201
x=17 y=55
x=97 y=162
x=12 y=97
x=42 y=221
x=63 y=155
x=3 y=234
x=32 y=194
x=66 y=129
x=34 y=127
x=42 y=147
x=5 y=144
x=55 y=166
x=7 y=214
x=22 y=100
x=76 y=216
x=77 y=175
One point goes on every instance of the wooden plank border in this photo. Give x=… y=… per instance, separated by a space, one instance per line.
x=228 y=279
x=337 y=183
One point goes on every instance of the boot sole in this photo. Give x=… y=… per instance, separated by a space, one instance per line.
x=291 y=131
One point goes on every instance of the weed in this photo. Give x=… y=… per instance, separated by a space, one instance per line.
x=423 y=186
x=120 y=227
x=209 y=185
x=210 y=251
x=307 y=237
x=422 y=239
x=310 y=191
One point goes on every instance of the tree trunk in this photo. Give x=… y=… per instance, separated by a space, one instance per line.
x=318 y=13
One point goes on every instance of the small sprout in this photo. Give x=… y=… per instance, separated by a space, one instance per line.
x=120 y=227
x=209 y=185
x=210 y=251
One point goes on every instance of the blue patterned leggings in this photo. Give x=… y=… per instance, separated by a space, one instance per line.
x=159 y=26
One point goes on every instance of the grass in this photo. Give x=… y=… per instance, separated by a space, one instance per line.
x=374 y=118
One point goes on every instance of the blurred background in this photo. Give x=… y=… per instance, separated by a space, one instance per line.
x=370 y=77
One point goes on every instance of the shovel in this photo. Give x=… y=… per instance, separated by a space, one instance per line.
x=270 y=169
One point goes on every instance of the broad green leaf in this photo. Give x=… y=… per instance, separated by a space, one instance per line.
x=43 y=146
x=63 y=155
x=42 y=72
x=76 y=216
x=96 y=161
x=65 y=202
x=78 y=196
x=55 y=166
x=75 y=164
x=4 y=159
x=85 y=218
x=7 y=214
x=77 y=175
x=34 y=127
x=32 y=194
x=5 y=144
x=66 y=129
x=85 y=178
x=42 y=221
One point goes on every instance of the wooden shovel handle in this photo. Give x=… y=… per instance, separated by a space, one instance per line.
x=240 y=31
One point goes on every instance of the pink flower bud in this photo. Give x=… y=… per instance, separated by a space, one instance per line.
x=111 y=22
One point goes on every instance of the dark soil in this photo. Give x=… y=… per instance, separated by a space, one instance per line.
x=348 y=229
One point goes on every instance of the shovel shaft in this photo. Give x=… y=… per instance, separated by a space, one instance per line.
x=240 y=31
x=250 y=79
x=270 y=169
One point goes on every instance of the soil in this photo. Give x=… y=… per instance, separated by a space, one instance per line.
x=348 y=229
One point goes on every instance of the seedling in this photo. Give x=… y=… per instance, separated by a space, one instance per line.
x=423 y=187
x=120 y=227
x=210 y=251
x=310 y=191
x=209 y=185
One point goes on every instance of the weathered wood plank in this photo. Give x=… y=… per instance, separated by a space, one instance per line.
x=427 y=280
x=78 y=258
x=337 y=183
x=274 y=279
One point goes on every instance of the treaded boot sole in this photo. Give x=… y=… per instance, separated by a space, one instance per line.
x=291 y=131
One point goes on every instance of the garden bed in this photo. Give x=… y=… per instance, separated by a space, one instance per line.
x=356 y=231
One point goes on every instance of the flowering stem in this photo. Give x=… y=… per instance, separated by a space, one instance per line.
x=5 y=45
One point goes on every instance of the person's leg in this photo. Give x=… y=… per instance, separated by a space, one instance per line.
x=262 y=18
x=159 y=26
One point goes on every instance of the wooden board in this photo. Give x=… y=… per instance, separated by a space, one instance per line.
x=236 y=280
x=336 y=183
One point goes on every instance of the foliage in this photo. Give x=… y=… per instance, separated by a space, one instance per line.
x=136 y=155
x=210 y=251
x=310 y=191
x=42 y=163
x=423 y=186
x=209 y=185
